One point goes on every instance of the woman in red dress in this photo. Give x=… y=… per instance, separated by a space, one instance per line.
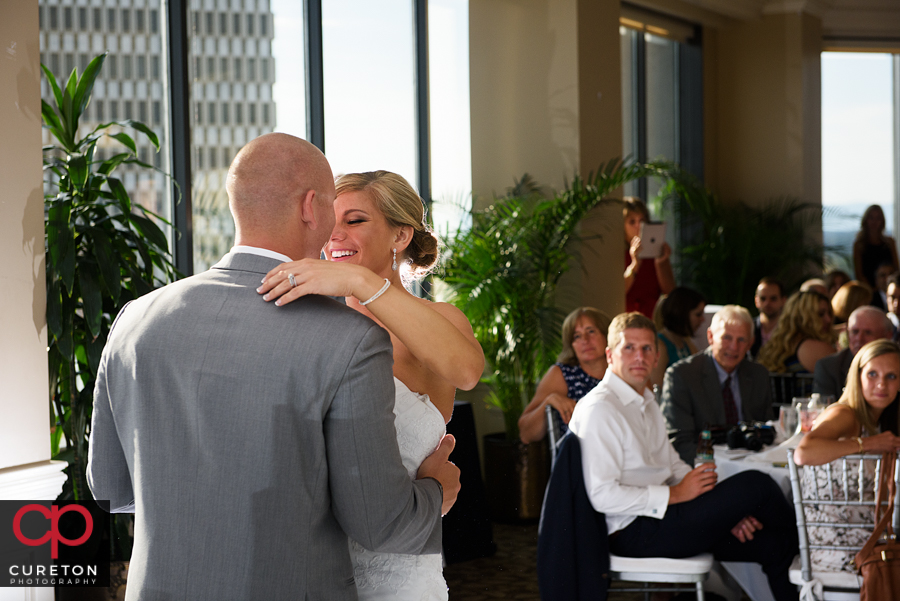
x=645 y=279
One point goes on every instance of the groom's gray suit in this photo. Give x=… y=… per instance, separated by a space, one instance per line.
x=250 y=440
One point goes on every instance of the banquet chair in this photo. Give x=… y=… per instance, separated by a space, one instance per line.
x=787 y=386
x=827 y=586
x=573 y=559
x=553 y=436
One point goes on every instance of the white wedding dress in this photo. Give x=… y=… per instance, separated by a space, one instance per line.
x=392 y=576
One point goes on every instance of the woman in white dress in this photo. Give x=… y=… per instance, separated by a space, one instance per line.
x=380 y=238
x=864 y=420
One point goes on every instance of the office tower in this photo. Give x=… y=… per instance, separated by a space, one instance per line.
x=232 y=72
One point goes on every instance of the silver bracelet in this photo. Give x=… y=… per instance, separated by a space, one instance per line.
x=387 y=283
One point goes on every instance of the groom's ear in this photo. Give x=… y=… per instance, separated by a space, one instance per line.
x=307 y=210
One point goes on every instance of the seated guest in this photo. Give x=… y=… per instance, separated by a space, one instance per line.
x=654 y=503
x=579 y=367
x=681 y=314
x=879 y=295
x=802 y=337
x=719 y=386
x=864 y=420
x=815 y=284
x=834 y=279
x=866 y=324
x=769 y=300
x=645 y=279
x=893 y=302
x=850 y=297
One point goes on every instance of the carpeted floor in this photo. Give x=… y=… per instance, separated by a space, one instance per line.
x=511 y=573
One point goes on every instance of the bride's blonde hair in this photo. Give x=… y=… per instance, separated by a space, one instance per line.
x=401 y=206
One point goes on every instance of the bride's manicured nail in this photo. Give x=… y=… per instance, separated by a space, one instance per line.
x=266 y=297
x=278 y=303
x=263 y=280
x=259 y=289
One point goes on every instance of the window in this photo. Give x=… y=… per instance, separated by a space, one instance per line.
x=251 y=113
x=41 y=18
x=54 y=65
x=142 y=111
x=226 y=116
x=141 y=67
x=213 y=158
x=251 y=69
x=98 y=110
x=264 y=67
x=210 y=67
x=129 y=109
x=114 y=110
x=139 y=20
x=251 y=25
x=154 y=67
x=111 y=19
x=126 y=67
x=82 y=62
x=236 y=28
x=126 y=20
x=112 y=66
x=97 y=18
x=198 y=113
x=238 y=71
x=157 y=112
x=859 y=109
x=67 y=17
x=154 y=21
x=375 y=130
x=82 y=18
x=223 y=68
x=265 y=114
x=263 y=25
x=210 y=23
x=211 y=113
x=69 y=59
x=238 y=113
x=198 y=72
x=223 y=24
x=54 y=17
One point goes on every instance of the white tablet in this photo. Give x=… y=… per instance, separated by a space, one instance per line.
x=653 y=236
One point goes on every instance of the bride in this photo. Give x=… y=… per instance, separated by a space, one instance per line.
x=379 y=233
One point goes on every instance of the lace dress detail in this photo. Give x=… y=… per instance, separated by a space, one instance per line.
x=383 y=576
x=829 y=489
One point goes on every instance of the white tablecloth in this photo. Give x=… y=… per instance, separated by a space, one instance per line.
x=773 y=461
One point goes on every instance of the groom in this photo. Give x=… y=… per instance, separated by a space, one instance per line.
x=250 y=440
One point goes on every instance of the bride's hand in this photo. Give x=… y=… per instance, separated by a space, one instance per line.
x=314 y=276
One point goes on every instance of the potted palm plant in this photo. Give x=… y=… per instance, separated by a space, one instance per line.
x=503 y=273
x=102 y=250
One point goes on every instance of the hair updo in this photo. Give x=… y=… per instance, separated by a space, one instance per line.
x=401 y=206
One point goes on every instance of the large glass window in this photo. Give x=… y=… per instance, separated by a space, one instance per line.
x=858 y=147
x=451 y=148
x=229 y=108
x=369 y=76
x=129 y=92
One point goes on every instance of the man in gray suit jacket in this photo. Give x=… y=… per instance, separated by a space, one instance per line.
x=250 y=440
x=865 y=324
x=719 y=386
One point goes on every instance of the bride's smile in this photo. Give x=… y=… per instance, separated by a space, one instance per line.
x=361 y=234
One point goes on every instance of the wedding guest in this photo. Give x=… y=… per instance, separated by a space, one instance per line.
x=719 y=386
x=866 y=324
x=580 y=366
x=802 y=337
x=893 y=302
x=834 y=279
x=655 y=505
x=645 y=279
x=879 y=295
x=851 y=296
x=681 y=314
x=871 y=247
x=864 y=420
x=815 y=284
x=769 y=300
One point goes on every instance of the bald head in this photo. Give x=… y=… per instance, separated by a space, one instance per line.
x=280 y=191
x=867 y=323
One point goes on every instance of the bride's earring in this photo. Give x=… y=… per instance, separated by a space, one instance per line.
x=394 y=264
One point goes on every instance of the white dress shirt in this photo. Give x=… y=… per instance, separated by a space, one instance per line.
x=627 y=458
x=263 y=252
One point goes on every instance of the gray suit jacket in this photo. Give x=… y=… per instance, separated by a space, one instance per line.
x=250 y=440
x=831 y=373
x=692 y=397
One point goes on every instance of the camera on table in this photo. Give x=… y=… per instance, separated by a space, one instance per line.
x=750 y=435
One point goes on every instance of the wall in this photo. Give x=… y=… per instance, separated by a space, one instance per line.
x=24 y=429
x=764 y=108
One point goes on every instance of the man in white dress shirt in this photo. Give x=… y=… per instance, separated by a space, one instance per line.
x=655 y=504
